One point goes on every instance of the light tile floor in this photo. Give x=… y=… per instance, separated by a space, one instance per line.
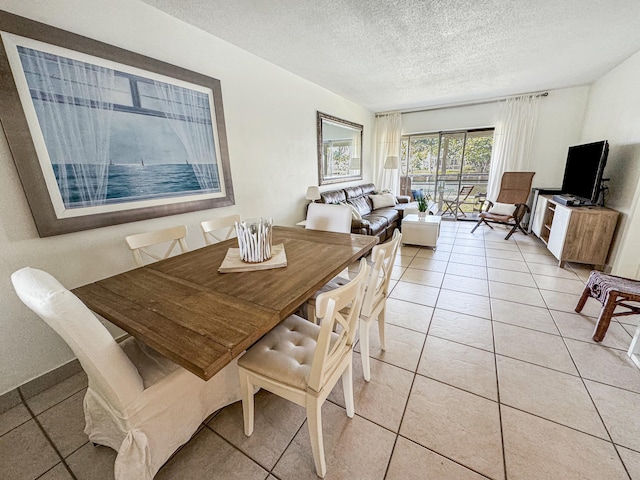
x=488 y=373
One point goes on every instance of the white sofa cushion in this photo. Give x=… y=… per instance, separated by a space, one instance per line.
x=383 y=200
x=502 y=209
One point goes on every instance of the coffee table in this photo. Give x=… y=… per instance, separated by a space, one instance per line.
x=421 y=230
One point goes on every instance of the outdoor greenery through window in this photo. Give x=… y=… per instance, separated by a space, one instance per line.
x=439 y=165
x=338 y=154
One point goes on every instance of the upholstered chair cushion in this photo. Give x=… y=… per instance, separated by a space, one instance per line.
x=151 y=365
x=285 y=353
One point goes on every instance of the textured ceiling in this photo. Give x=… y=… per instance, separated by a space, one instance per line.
x=388 y=55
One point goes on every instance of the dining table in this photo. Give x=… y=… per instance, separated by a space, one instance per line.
x=188 y=311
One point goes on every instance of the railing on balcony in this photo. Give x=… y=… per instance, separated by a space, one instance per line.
x=448 y=186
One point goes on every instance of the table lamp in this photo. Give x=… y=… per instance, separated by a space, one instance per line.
x=313 y=193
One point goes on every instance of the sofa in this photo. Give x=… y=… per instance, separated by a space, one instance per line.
x=379 y=221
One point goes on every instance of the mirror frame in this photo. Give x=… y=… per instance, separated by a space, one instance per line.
x=322 y=179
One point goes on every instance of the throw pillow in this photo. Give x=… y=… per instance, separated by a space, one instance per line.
x=382 y=201
x=355 y=214
x=502 y=209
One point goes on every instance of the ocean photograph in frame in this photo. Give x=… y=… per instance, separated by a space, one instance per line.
x=114 y=136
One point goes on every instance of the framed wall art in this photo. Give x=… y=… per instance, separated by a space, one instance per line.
x=113 y=136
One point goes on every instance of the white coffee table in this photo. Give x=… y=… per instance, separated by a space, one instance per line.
x=421 y=231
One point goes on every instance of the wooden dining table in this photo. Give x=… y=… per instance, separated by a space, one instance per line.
x=202 y=319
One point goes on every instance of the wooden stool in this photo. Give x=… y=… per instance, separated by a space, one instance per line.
x=610 y=291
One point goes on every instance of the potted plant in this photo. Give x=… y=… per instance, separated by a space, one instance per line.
x=423 y=205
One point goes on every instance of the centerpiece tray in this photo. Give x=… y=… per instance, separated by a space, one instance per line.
x=233 y=264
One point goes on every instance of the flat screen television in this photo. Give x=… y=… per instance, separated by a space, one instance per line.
x=583 y=173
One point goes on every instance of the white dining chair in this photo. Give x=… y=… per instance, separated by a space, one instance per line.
x=139 y=403
x=302 y=362
x=140 y=243
x=329 y=217
x=375 y=297
x=219 y=229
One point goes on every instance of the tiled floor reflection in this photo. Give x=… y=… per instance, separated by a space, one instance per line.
x=488 y=373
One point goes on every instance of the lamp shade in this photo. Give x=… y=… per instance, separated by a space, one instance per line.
x=313 y=193
x=391 y=162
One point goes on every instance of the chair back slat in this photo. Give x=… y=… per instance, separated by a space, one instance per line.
x=140 y=243
x=465 y=192
x=219 y=229
x=380 y=278
x=332 y=347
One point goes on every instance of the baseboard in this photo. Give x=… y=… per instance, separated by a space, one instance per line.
x=39 y=384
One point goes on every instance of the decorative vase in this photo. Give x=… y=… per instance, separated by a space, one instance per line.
x=254 y=239
x=422 y=215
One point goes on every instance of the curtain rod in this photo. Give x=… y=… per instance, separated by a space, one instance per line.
x=460 y=104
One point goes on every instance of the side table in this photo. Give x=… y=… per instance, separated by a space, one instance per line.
x=421 y=231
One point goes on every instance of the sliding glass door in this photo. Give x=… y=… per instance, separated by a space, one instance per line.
x=451 y=168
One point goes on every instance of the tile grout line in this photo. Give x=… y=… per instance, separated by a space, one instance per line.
x=46 y=435
x=409 y=395
x=495 y=364
x=595 y=406
x=582 y=378
x=578 y=373
x=406 y=404
x=415 y=375
x=238 y=449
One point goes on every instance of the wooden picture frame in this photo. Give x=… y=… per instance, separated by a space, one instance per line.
x=39 y=174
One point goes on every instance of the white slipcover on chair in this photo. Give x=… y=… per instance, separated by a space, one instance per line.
x=140 y=242
x=328 y=217
x=375 y=297
x=301 y=361
x=139 y=403
x=219 y=229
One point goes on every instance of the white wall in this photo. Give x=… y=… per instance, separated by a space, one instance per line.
x=559 y=126
x=613 y=113
x=271 y=128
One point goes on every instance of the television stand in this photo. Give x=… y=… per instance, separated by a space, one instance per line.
x=574 y=234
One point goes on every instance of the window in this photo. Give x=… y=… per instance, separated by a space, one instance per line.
x=440 y=164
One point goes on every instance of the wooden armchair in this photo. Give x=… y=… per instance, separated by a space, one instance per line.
x=511 y=205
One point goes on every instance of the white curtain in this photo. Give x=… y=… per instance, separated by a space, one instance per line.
x=72 y=102
x=513 y=139
x=388 y=139
x=189 y=113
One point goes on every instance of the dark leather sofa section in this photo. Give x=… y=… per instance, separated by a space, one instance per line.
x=381 y=222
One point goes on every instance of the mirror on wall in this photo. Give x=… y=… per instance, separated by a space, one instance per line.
x=339 y=150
